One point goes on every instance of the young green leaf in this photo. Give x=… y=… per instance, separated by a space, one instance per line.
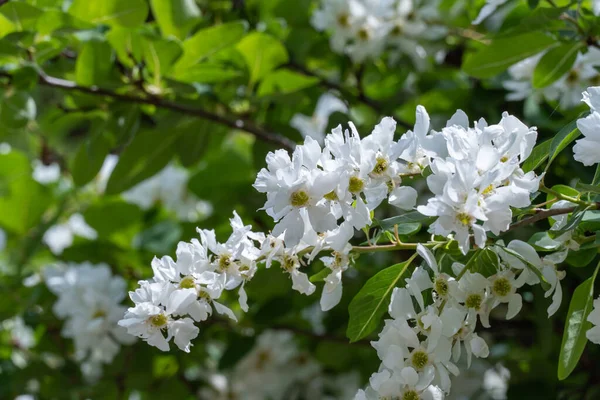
x=263 y=53
x=128 y=13
x=371 y=302
x=554 y=64
x=574 y=339
x=175 y=17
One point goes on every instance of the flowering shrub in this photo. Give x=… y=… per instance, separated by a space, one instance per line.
x=317 y=199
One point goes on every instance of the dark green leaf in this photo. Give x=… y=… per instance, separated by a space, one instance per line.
x=371 y=302
x=409 y=217
x=554 y=64
x=504 y=52
x=562 y=139
x=538 y=155
x=90 y=157
x=574 y=338
x=284 y=81
x=149 y=152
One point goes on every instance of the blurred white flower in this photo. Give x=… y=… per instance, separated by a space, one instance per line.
x=59 y=237
x=315 y=125
x=46 y=174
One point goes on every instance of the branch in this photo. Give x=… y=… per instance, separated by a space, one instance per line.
x=234 y=123
x=361 y=97
x=540 y=216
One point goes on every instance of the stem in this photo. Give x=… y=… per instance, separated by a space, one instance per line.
x=231 y=122
x=540 y=216
x=391 y=247
x=561 y=196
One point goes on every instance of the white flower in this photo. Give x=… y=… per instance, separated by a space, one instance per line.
x=315 y=126
x=89 y=300
x=593 y=334
x=587 y=150
x=503 y=288
x=45 y=174
x=61 y=236
x=149 y=319
x=566 y=90
x=332 y=290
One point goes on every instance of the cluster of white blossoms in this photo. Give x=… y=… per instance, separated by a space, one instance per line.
x=277 y=369
x=61 y=236
x=420 y=346
x=363 y=29
x=566 y=90
x=476 y=177
x=89 y=299
x=320 y=195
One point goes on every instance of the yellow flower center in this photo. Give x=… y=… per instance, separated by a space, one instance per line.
x=410 y=395
x=464 y=218
x=355 y=184
x=381 y=166
x=299 y=198
x=501 y=287
x=419 y=359
x=158 y=320
x=331 y=196
x=441 y=286
x=474 y=301
x=187 y=283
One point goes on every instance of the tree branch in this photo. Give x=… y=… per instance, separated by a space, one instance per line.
x=234 y=123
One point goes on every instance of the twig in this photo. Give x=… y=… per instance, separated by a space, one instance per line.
x=540 y=216
x=234 y=123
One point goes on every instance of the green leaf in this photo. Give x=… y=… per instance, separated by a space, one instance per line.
x=504 y=52
x=149 y=152
x=23 y=16
x=538 y=155
x=207 y=73
x=409 y=217
x=484 y=262
x=554 y=64
x=196 y=135
x=24 y=200
x=368 y=306
x=128 y=13
x=320 y=276
x=159 y=55
x=90 y=157
x=581 y=258
x=175 y=17
x=94 y=63
x=111 y=217
x=562 y=139
x=207 y=42
x=17 y=109
x=409 y=228
x=284 y=81
x=263 y=53
x=574 y=338
x=541 y=241
x=585 y=188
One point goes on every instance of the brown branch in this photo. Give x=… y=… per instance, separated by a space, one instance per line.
x=540 y=215
x=234 y=123
x=360 y=97
x=3 y=2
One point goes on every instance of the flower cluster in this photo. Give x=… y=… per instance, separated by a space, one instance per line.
x=421 y=343
x=363 y=29
x=587 y=150
x=89 y=298
x=566 y=90
x=477 y=177
x=61 y=236
x=276 y=368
